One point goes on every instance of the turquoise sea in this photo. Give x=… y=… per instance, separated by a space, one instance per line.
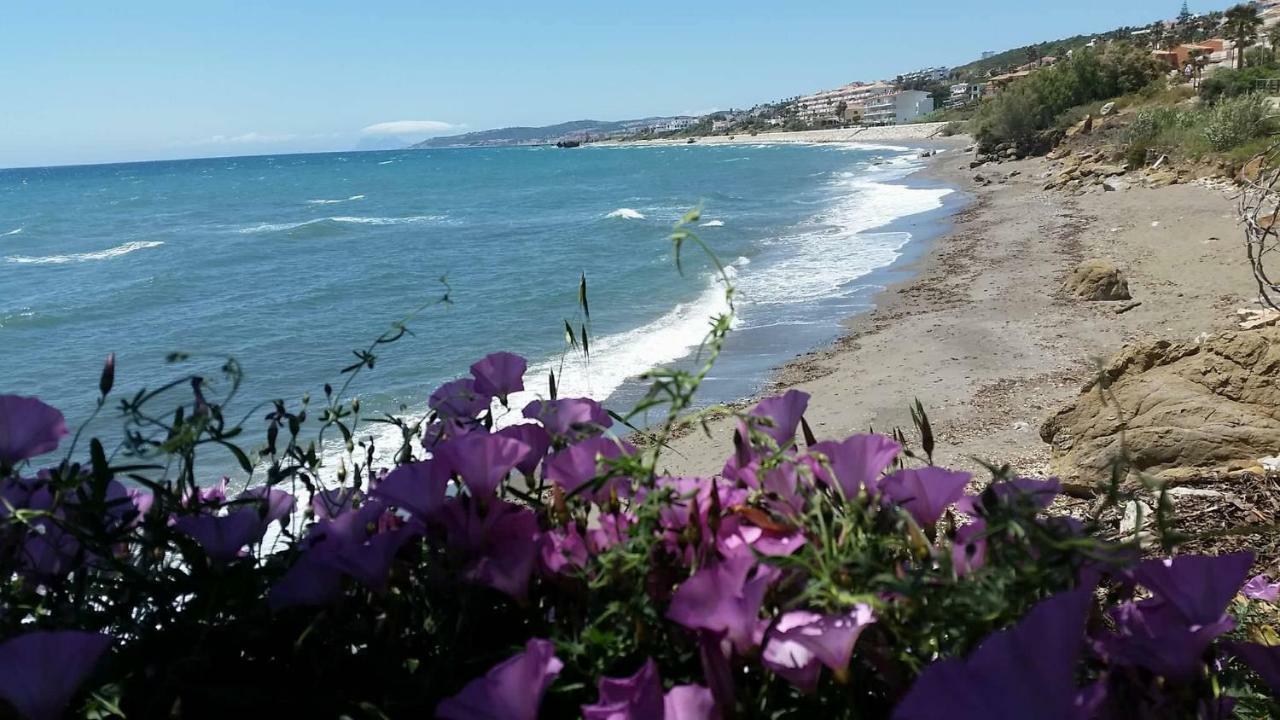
x=288 y=263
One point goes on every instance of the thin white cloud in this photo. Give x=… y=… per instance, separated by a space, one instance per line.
x=251 y=138
x=400 y=128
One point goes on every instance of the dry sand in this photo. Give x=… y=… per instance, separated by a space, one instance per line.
x=983 y=335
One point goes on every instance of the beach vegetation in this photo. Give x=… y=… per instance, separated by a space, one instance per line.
x=549 y=568
x=1228 y=83
x=1232 y=123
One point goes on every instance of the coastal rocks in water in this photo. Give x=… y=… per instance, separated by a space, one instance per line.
x=1176 y=407
x=1097 y=279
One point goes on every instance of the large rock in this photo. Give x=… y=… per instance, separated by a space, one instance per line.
x=1097 y=280
x=1174 y=406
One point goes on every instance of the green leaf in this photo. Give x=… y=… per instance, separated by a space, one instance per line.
x=582 y=296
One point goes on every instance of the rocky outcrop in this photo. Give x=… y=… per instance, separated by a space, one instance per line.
x=1096 y=279
x=1173 y=407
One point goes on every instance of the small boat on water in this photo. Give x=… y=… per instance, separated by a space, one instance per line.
x=569 y=144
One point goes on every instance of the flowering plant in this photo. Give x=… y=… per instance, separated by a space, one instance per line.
x=547 y=568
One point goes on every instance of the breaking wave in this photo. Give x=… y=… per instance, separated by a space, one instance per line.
x=626 y=214
x=114 y=252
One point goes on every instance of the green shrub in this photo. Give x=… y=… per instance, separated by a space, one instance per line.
x=1227 y=83
x=1236 y=120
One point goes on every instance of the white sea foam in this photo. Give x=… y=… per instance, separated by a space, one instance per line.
x=626 y=214
x=344 y=219
x=386 y=162
x=713 y=223
x=335 y=202
x=114 y=252
x=16 y=231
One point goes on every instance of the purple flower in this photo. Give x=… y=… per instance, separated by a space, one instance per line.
x=725 y=598
x=41 y=671
x=783 y=413
x=801 y=642
x=612 y=531
x=689 y=702
x=482 y=460
x=1154 y=635
x=1260 y=588
x=1198 y=587
x=459 y=400
x=562 y=548
x=418 y=488
x=223 y=536
x=511 y=690
x=855 y=463
x=28 y=428
x=535 y=437
x=579 y=464
x=1265 y=660
x=328 y=504
x=1037 y=493
x=926 y=492
x=969 y=549
x=499 y=374
x=571 y=418
x=1027 y=671
x=638 y=697
x=499 y=547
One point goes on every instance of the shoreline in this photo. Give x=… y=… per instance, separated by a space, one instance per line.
x=886 y=133
x=978 y=329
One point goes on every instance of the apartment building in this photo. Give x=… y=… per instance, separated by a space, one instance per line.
x=964 y=94
x=897 y=108
x=823 y=105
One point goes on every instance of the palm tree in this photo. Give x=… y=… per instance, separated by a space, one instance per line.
x=1241 y=27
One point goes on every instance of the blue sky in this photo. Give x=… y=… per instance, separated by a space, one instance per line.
x=89 y=81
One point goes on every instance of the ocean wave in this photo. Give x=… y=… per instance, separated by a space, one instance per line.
x=342 y=219
x=16 y=231
x=335 y=202
x=626 y=214
x=107 y=254
x=713 y=223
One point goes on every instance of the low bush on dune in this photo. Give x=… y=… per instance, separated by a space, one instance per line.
x=548 y=569
x=1231 y=123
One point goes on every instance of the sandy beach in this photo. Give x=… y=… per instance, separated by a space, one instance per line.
x=982 y=333
x=887 y=133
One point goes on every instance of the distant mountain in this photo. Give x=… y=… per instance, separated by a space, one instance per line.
x=576 y=130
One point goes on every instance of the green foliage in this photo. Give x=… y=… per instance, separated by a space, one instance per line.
x=1028 y=107
x=1232 y=123
x=1227 y=83
x=1235 y=121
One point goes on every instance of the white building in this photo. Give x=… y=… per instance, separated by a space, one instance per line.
x=964 y=94
x=897 y=108
x=927 y=75
x=823 y=105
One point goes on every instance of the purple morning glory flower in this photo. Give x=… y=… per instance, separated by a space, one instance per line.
x=855 y=463
x=533 y=435
x=579 y=464
x=1265 y=660
x=571 y=418
x=28 y=428
x=562 y=548
x=223 y=536
x=611 y=531
x=784 y=413
x=499 y=374
x=418 y=488
x=801 y=642
x=1038 y=493
x=41 y=671
x=459 y=400
x=725 y=597
x=328 y=504
x=511 y=690
x=482 y=460
x=499 y=547
x=969 y=549
x=1260 y=588
x=638 y=697
x=47 y=551
x=1198 y=587
x=689 y=702
x=1154 y=635
x=926 y=492
x=1027 y=671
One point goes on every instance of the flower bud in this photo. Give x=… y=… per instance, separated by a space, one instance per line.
x=108 y=375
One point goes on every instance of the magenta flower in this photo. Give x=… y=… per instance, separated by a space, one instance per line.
x=783 y=413
x=638 y=697
x=1260 y=588
x=498 y=544
x=535 y=437
x=499 y=374
x=482 y=460
x=801 y=642
x=578 y=465
x=1027 y=671
x=28 y=428
x=571 y=418
x=458 y=400
x=689 y=702
x=418 y=488
x=611 y=531
x=511 y=690
x=41 y=671
x=969 y=549
x=926 y=492
x=725 y=597
x=1263 y=659
x=561 y=549
x=855 y=463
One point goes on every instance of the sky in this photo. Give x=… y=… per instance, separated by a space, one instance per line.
x=86 y=81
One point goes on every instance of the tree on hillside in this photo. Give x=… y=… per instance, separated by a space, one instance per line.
x=1241 y=28
x=1185 y=16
